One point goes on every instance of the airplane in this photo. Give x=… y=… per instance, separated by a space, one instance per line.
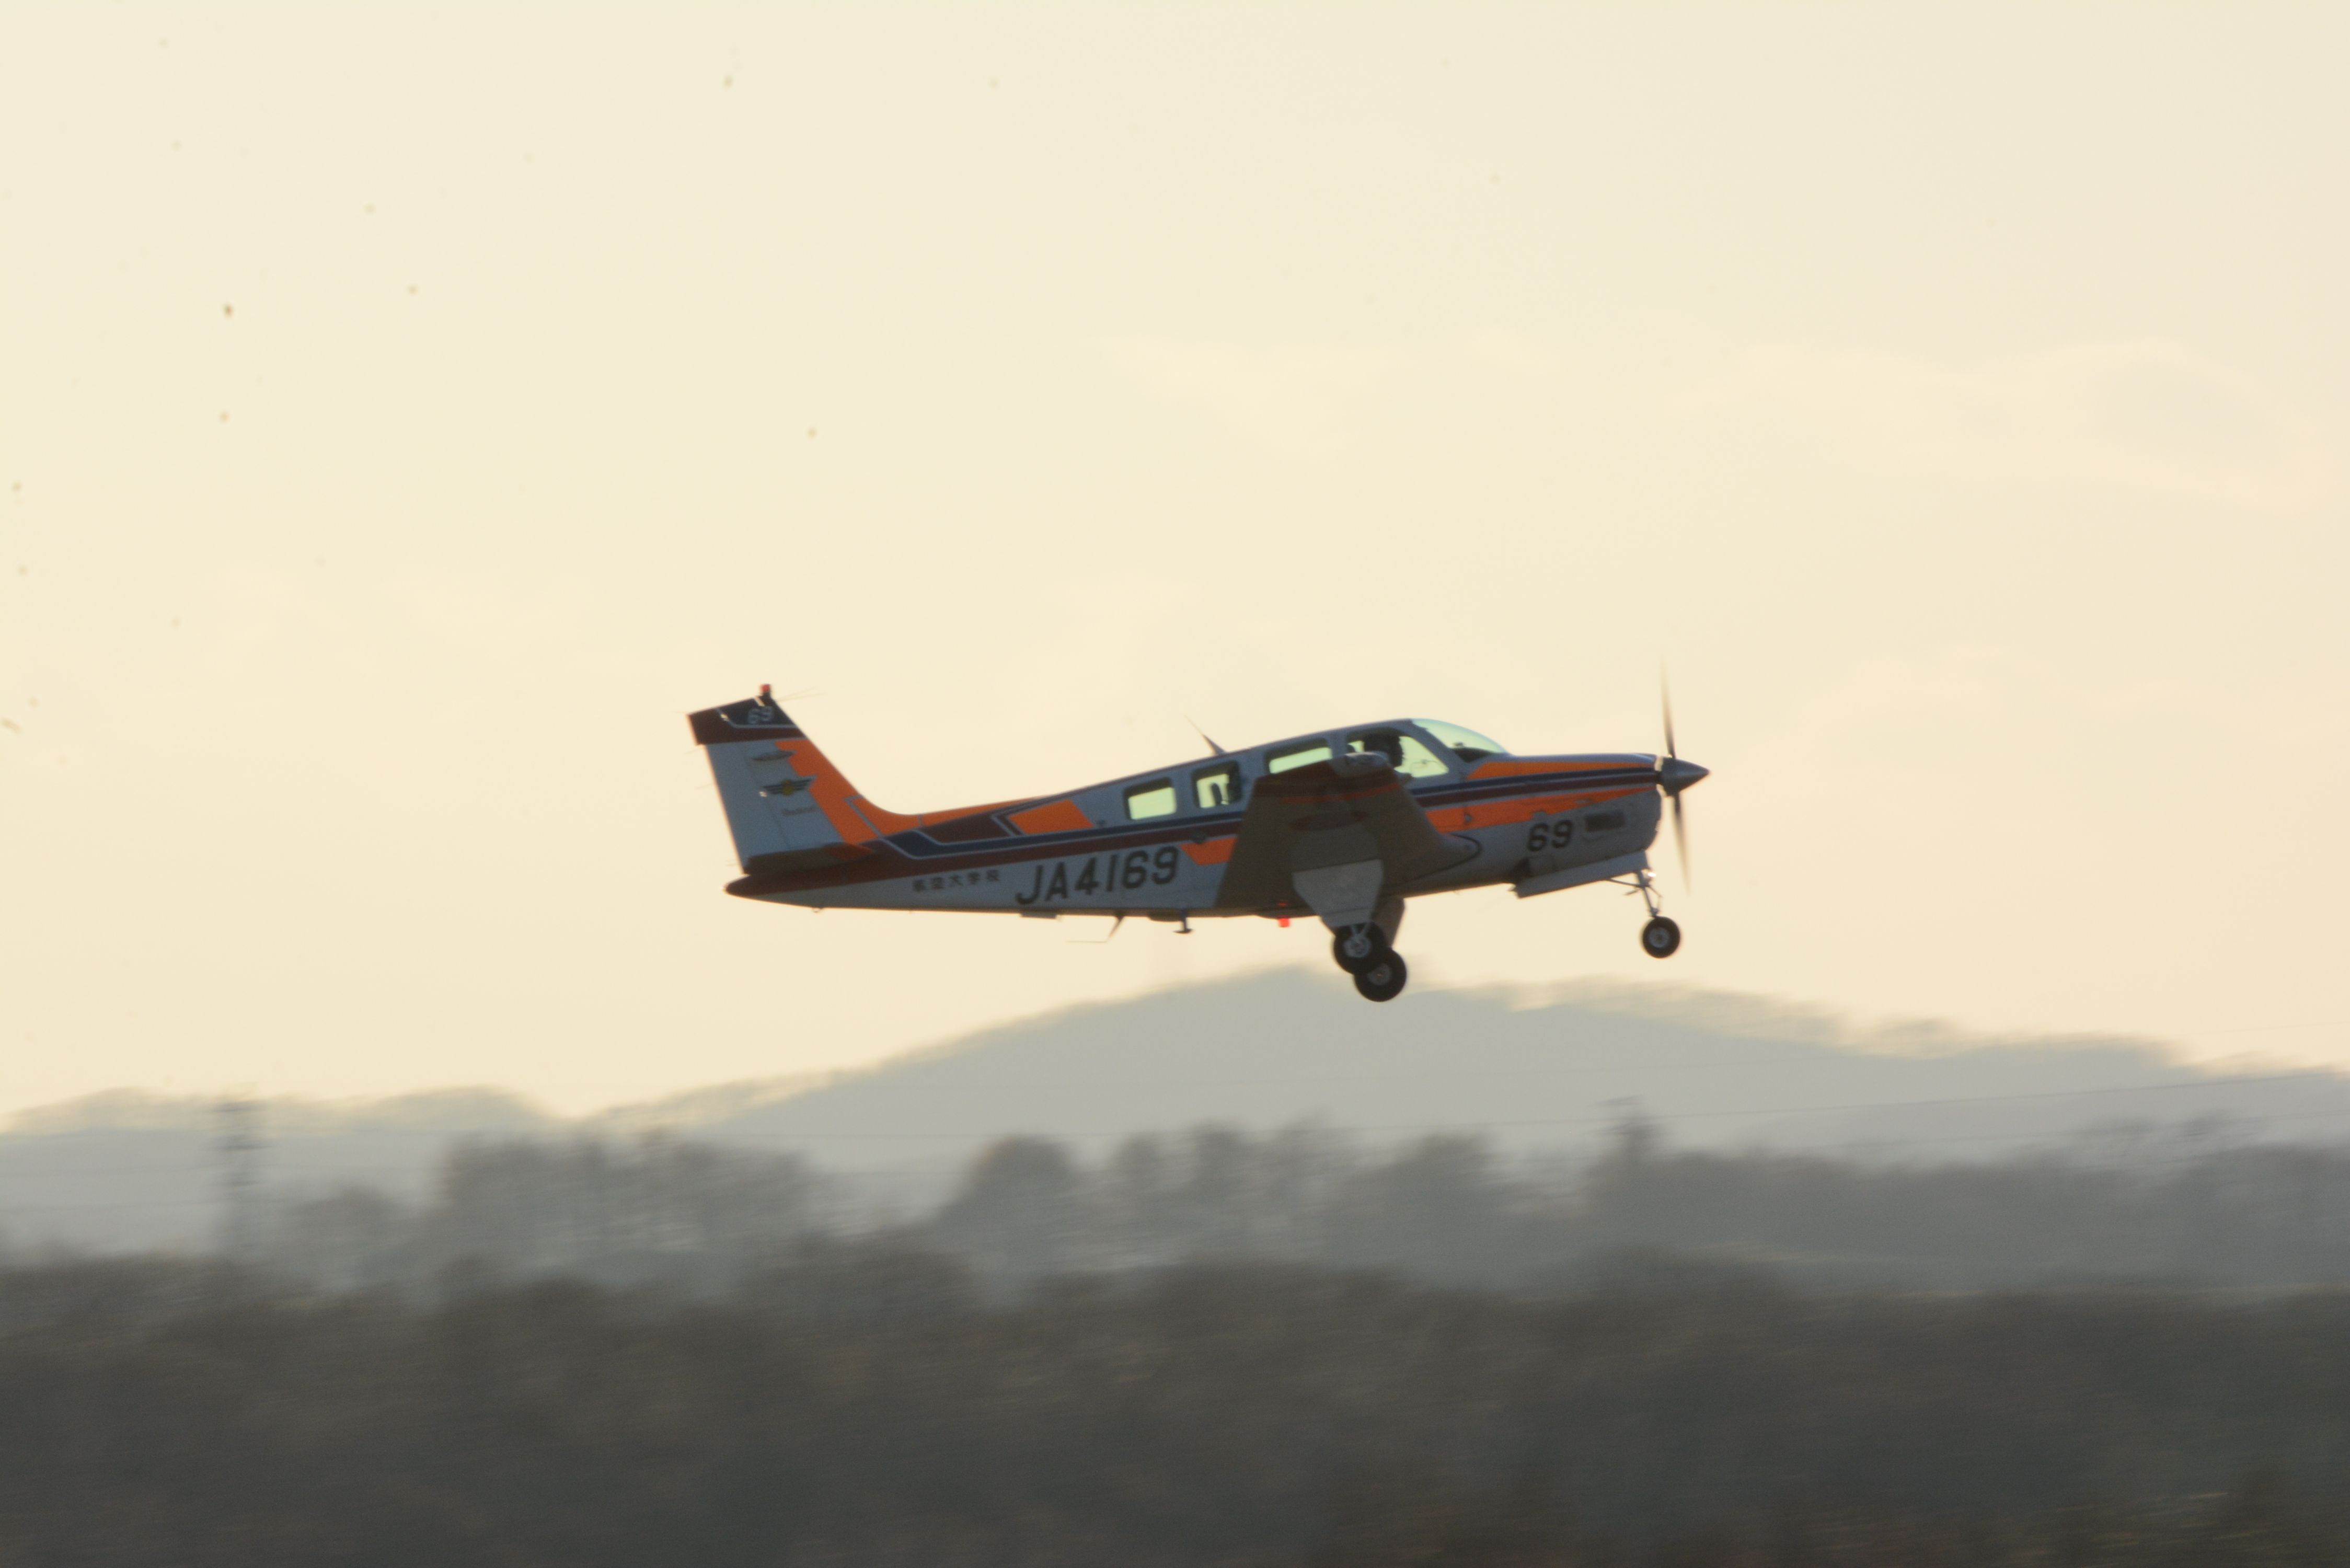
x=1344 y=824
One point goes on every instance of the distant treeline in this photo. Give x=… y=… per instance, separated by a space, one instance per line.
x=857 y=1403
x=695 y=1219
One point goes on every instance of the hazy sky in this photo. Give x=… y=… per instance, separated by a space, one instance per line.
x=407 y=415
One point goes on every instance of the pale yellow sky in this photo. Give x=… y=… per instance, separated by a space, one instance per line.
x=407 y=415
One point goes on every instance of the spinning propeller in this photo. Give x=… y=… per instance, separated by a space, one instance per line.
x=1674 y=775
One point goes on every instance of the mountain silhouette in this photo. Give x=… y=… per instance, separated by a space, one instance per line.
x=1712 y=1070
x=1553 y=1073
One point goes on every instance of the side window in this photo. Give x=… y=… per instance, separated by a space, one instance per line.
x=1216 y=787
x=1296 y=756
x=1155 y=798
x=1411 y=758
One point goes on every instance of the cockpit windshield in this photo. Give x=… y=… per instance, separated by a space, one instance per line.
x=1466 y=744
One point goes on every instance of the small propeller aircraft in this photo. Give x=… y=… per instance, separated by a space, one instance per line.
x=1345 y=825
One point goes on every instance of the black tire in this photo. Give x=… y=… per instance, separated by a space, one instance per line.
x=1383 y=982
x=1370 y=940
x=1660 y=939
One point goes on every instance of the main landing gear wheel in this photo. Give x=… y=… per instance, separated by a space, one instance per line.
x=1660 y=937
x=1358 y=948
x=1383 y=981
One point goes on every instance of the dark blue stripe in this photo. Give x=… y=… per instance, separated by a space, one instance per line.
x=916 y=843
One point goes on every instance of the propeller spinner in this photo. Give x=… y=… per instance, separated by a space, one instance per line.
x=1674 y=775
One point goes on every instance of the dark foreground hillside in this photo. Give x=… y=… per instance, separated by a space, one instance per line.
x=864 y=1405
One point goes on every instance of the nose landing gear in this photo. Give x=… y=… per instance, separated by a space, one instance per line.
x=1661 y=937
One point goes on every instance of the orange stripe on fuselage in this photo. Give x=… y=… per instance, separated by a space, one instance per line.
x=895 y=822
x=1519 y=808
x=832 y=795
x=933 y=818
x=1511 y=767
x=1214 y=852
x=856 y=819
x=1053 y=816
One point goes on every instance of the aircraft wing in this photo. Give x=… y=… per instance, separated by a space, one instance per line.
x=1334 y=834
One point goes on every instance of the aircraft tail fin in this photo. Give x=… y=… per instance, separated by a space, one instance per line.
x=788 y=807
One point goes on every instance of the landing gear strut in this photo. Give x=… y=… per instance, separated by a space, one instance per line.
x=1358 y=948
x=1366 y=951
x=1660 y=937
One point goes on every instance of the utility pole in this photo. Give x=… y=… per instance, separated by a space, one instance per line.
x=239 y=1146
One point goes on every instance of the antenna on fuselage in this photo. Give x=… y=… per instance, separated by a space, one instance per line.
x=1213 y=750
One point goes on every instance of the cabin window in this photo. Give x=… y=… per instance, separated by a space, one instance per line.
x=1603 y=822
x=1289 y=757
x=1215 y=788
x=1466 y=743
x=1411 y=759
x=1155 y=798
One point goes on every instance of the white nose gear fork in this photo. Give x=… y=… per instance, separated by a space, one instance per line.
x=1661 y=937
